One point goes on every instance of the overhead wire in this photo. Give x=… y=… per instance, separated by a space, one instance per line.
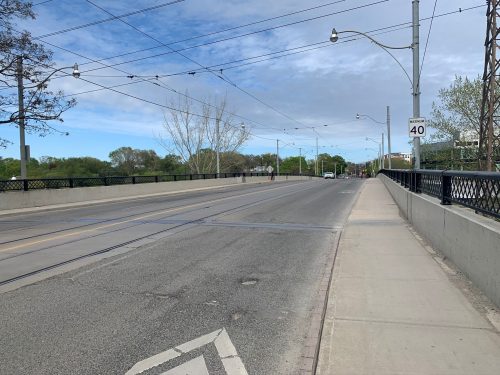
x=427 y=41
x=385 y=28
x=172 y=50
x=107 y=19
x=225 y=78
x=103 y=87
x=399 y=26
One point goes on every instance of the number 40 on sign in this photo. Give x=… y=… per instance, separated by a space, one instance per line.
x=416 y=127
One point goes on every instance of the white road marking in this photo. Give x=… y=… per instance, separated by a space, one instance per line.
x=225 y=348
x=195 y=366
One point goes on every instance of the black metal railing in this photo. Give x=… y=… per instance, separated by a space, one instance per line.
x=75 y=182
x=477 y=190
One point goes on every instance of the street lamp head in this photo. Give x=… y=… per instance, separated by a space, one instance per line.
x=334 y=37
x=76 y=72
x=357 y=116
x=242 y=126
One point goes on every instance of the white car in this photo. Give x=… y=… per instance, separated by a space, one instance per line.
x=328 y=175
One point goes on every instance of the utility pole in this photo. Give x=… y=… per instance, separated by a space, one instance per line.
x=335 y=170
x=316 y=163
x=300 y=161
x=383 y=152
x=20 y=95
x=416 y=77
x=389 y=135
x=217 y=135
x=322 y=169
x=277 y=157
x=490 y=100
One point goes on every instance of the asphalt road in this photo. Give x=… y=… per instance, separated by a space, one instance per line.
x=231 y=273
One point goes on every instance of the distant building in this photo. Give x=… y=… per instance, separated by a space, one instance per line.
x=406 y=156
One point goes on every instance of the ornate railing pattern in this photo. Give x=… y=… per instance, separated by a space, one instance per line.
x=477 y=190
x=74 y=182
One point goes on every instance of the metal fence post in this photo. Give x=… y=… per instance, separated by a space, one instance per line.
x=418 y=182
x=445 y=189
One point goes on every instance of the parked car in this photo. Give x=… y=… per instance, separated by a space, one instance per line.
x=328 y=175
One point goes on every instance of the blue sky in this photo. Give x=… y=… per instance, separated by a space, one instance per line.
x=323 y=86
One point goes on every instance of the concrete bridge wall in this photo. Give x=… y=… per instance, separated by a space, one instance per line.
x=469 y=240
x=42 y=198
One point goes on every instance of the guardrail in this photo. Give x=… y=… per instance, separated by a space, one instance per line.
x=75 y=182
x=477 y=190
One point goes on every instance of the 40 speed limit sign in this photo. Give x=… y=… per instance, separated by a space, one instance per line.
x=416 y=127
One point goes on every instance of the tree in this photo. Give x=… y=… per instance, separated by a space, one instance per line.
x=294 y=164
x=125 y=160
x=457 y=114
x=171 y=164
x=330 y=162
x=193 y=135
x=21 y=56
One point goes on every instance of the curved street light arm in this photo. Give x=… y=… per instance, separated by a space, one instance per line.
x=369 y=37
x=75 y=74
x=371 y=118
x=334 y=37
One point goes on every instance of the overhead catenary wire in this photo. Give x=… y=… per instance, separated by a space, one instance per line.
x=436 y=17
x=427 y=41
x=166 y=106
x=172 y=50
x=107 y=19
x=197 y=63
x=397 y=27
x=323 y=44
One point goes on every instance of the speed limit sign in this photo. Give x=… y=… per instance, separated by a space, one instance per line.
x=416 y=127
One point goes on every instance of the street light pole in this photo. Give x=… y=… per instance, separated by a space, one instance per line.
x=217 y=135
x=300 y=161
x=20 y=94
x=22 y=116
x=277 y=157
x=383 y=152
x=416 y=78
x=389 y=136
x=388 y=124
x=415 y=82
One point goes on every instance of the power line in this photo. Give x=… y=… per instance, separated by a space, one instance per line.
x=399 y=26
x=142 y=80
x=107 y=19
x=427 y=41
x=226 y=78
x=168 y=45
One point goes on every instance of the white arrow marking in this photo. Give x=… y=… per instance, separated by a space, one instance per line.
x=195 y=366
x=225 y=348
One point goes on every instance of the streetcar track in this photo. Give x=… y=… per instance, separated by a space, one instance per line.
x=198 y=221
x=102 y=221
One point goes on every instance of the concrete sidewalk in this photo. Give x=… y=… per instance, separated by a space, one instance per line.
x=395 y=308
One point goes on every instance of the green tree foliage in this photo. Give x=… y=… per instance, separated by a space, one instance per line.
x=49 y=166
x=294 y=164
x=40 y=104
x=458 y=110
x=329 y=163
x=171 y=164
x=128 y=161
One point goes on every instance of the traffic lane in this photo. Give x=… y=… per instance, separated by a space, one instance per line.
x=105 y=319
x=35 y=254
x=29 y=225
x=327 y=201
x=122 y=313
